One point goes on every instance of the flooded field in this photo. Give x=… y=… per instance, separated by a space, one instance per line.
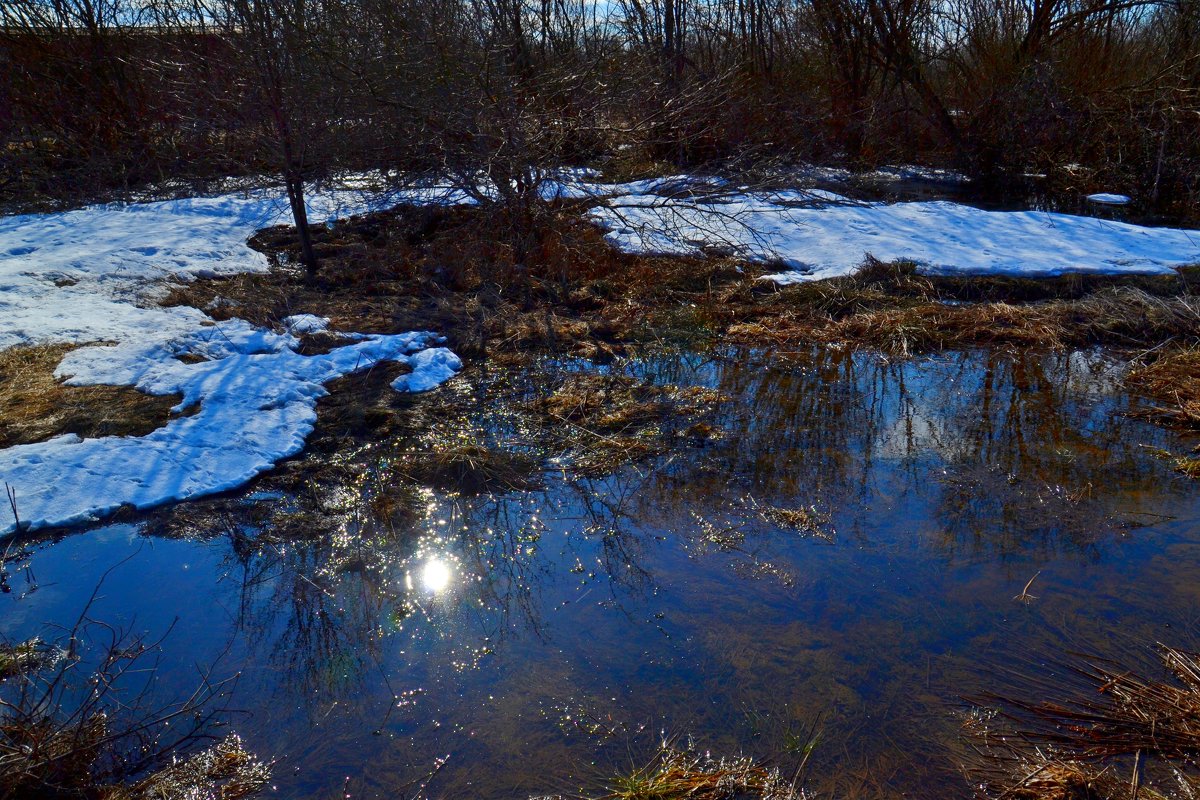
x=829 y=565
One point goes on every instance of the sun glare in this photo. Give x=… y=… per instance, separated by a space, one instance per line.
x=435 y=575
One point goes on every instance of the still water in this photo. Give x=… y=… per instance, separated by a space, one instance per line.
x=508 y=645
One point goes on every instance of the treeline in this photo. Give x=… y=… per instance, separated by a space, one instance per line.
x=101 y=96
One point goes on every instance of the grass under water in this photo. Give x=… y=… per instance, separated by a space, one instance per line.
x=819 y=577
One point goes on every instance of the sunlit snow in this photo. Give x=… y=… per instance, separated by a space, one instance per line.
x=91 y=276
x=815 y=235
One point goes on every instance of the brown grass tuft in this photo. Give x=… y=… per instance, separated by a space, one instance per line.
x=808 y=521
x=34 y=405
x=675 y=774
x=471 y=469
x=907 y=324
x=1173 y=379
x=224 y=771
x=1076 y=741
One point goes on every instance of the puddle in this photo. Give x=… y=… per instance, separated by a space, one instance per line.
x=847 y=553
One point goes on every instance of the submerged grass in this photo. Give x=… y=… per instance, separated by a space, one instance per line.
x=471 y=468
x=35 y=405
x=28 y=656
x=1110 y=734
x=599 y=422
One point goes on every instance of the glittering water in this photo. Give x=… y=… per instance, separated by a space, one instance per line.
x=845 y=556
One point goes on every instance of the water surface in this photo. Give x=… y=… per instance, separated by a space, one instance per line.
x=500 y=646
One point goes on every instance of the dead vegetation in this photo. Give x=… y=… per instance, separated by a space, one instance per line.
x=97 y=733
x=599 y=422
x=471 y=468
x=1106 y=732
x=681 y=774
x=891 y=308
x=224 y=771
x=618 y=404
x=35 y=405
x=444 y=269
x=808 y=521
x=1173 y=380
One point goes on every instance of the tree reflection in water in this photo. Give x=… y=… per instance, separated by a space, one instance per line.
x=846 y=549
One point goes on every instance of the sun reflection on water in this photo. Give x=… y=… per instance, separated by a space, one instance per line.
x=436 y=575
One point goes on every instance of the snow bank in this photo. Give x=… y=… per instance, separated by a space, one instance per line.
x=830 y=237
x=249 y=400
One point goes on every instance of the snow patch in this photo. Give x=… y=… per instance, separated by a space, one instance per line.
x=1106 y=199
x=819 y=235
x=91 y=276
x=256 y=404
x=305 y=323
x=430 y=368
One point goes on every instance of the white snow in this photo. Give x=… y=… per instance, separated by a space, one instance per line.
x=815 y=235
x=305 y=323
x=431 y=367
x=255 y=405
x=1107 y=199
x=90 y=277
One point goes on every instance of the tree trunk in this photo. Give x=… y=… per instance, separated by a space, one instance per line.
x=308 y=256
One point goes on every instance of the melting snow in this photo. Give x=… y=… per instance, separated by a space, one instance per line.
x=305 y=323
x=90 y=276
x=816 y=235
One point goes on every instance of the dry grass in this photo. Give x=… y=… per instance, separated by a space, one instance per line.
x=225 y=771
x=1112 y=734
x=1189 y=466
x=96 y=734
x=675 y=774
x=1128 y=714
x=34 y=405
x=1119 y=316
x=1173 y=379
x=38 y=753
x=940 y=327
x=602 y=422
x=470 y=468
x=448 y=270
x=1046 y=777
